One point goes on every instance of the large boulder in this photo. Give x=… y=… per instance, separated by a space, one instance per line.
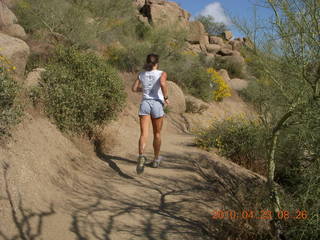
x=213 y=48
x=236 y=44
x=139 y=3
x=194 y=48
x=176 y=98
x=198 y=35
x=7 y=17
x=15 y=30
x=227 y=35
x=216 y=40
x=161 y=12
x=235 y=59
x=16 y=51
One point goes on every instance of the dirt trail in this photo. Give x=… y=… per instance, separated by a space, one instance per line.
x=80 y=195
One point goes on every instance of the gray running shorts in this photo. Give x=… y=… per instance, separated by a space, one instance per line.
x=151 y=107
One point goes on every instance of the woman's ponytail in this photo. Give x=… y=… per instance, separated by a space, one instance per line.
x=151 y=61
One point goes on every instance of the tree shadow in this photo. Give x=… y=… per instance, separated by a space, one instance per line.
x=28 y=224
x=109 y=159
x=154 y=215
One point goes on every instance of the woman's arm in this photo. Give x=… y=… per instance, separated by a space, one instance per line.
x=136 y=87
x=164 y=86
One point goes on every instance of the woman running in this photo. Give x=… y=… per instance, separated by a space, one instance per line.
x=152 y=82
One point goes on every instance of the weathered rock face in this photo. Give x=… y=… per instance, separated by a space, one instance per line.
x=216 y=40
x=227 y=35
x=236 y=44
x=7 y=17
x=139 y=3
x=213 y=48
x=15 y=30
x=8 y=21
x=16 y=51
x=198 y=35
x=177 y=99
x=162 y=12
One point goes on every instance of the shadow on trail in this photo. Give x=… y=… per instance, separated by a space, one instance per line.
x=109 y=159
x=28 y=224
x=167 y=210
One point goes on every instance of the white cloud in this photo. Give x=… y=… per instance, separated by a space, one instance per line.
x=216 y=10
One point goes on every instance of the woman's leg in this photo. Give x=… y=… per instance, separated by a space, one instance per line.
x=144 y=128
x=157 y=126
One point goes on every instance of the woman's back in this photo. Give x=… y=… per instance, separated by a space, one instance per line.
x=151 y=84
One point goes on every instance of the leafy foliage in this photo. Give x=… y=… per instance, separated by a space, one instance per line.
x=80 y=90
x=211 y=26
x=239 y=139
x=77 y=22
x=222 y=89
x=10 y=110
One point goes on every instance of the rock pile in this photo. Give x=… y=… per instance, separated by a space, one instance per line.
x=12 y=47
x=160 y=13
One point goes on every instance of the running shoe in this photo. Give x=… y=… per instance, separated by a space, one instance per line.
x=140 y=164
x=156 y=162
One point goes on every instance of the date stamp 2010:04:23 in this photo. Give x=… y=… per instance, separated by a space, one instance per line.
x=259 y=214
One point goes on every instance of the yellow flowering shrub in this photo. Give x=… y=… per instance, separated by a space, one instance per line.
x=221 y=87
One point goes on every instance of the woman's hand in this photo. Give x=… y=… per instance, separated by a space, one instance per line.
x=167 y=102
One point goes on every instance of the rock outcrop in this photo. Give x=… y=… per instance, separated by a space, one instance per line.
x=161 y=12
x=12 y=48
x=177 y=99
x=8 y=22
x=16 y=51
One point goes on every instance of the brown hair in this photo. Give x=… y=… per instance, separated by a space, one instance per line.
x=151 y=61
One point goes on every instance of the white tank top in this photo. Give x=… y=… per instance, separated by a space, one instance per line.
x=151 y=84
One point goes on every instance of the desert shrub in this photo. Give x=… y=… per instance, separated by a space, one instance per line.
x=234 y=68
x=239 y=139
x=77 y=22
x=81 y=91
x=197 y=82
x=10 y=110
x=168 y=44
x=211 y=26
x=221 y=88
x=129 y=59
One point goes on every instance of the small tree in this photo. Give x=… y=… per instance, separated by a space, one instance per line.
x=211 y=26
x=289 y=66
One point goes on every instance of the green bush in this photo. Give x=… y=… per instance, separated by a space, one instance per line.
x=234 y=68
x=211 y=26
x=10 y=111
x=80 y=90
x=78 y=22
x=238 y=139
x=168 y=44
x=191 y=76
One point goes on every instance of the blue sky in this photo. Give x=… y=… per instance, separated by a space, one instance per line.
x=224 y=8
